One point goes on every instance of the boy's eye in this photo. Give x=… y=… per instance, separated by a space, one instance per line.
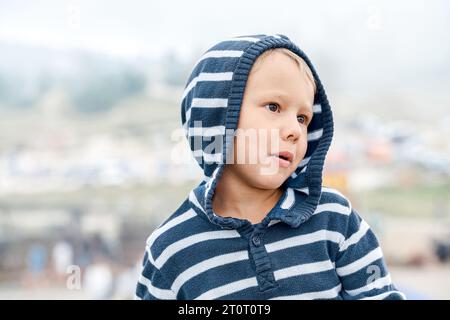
x=272 y=107
x=301 y=119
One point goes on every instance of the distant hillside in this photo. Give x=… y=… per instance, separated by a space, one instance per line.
x=93 y=82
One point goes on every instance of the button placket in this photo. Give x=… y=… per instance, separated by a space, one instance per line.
x=264 y=272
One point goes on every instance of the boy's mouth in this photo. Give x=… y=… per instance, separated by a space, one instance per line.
x=284 y=158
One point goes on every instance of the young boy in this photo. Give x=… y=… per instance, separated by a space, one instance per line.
x=261 y=225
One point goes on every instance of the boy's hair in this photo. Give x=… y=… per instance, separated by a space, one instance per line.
x=300 y=62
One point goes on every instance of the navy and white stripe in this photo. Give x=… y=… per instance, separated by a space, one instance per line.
x=333 y=255
x=311 y=245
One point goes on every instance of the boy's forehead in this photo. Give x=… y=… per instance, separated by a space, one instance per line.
x=295 y=93
x=282 y=71
x=271 y=61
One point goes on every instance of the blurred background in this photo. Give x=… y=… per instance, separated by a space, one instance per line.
x=90 y=162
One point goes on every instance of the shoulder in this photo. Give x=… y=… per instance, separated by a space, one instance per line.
x=339 y=210
x=178 y=232
x=333 y=200
x=335 y=207
x=171 y=228
x=332 y=195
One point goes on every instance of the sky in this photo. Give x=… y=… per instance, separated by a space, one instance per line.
x=150 y=27
x=374 y=37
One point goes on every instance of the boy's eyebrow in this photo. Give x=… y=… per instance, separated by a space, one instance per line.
x=284 y=98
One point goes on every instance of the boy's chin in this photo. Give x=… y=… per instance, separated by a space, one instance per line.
x=271 y=180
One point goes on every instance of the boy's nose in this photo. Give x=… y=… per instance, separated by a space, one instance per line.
x=290 y=129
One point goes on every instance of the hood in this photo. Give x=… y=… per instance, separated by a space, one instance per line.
x=210 y=109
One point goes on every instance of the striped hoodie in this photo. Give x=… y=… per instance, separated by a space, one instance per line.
x=312 y=244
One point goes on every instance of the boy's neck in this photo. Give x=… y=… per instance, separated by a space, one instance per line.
x=235 y=198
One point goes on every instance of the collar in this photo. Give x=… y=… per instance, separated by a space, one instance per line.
x=292 y=207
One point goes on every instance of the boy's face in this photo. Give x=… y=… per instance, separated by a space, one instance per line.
x=275 y=112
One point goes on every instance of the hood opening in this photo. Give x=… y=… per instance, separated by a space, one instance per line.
x=214 y=94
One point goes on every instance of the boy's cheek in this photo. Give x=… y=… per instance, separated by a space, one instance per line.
x=300 y=153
